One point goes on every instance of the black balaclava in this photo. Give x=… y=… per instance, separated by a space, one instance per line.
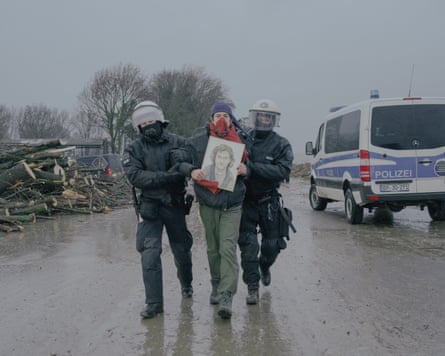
x=262 y=134
x=153 y=132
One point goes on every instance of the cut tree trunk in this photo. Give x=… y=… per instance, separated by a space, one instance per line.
x=36 y=209
x=49 y=176
x=15 y=176
x=18 y=218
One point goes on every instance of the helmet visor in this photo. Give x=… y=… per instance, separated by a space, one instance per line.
x=264 y=121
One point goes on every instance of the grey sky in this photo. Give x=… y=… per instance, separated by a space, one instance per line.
x=307 y=56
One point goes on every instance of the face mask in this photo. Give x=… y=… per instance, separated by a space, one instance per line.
x=262 y=134
x=152 y=132
x=221 y=127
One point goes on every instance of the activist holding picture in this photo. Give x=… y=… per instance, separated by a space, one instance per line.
x=219 y=209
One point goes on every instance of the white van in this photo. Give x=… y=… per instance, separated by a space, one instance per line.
x=381 y=153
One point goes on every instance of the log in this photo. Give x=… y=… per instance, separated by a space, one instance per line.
x=19 y=153
x=6 y=165
x=48 y=175
x=53 y=153
x=49 y=201
x=11 y=228
x=58 y=170
x=15 y=204
x=15 y=176
x=4 y=211
x=36 y=209
x=6 y=228
x=45 y=186
x=18 y=218
x=71 y=194
x=47 y=163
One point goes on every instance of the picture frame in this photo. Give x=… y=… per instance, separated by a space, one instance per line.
x=221 y=160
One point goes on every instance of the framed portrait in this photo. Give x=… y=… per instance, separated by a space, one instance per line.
x=221 y=159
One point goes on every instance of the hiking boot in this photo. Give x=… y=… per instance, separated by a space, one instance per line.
x=225 y=305
x=187 y=292
x=252 y=296
x=214 y=298
x=151 y=310
x=265 y=276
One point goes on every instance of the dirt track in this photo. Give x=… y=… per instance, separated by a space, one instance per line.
x=73 y=287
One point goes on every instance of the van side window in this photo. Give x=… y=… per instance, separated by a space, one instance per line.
x=342 y=133
x=318 y=143
x=406 y=127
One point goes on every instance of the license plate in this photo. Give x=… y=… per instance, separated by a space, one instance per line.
x=395 y=187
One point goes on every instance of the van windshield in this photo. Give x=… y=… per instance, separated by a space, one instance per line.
x=407 y=127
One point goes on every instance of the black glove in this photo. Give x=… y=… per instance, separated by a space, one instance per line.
x=173 y=177
x=179 y=155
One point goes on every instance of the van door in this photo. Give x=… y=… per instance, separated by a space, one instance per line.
x=429 y=141
x=408 y=145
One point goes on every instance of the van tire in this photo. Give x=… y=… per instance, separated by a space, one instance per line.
x=317 y=203
x=354 y=213
x=437 y=210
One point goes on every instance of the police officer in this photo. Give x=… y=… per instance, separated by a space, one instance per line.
x=161 y=204
x=269 y=164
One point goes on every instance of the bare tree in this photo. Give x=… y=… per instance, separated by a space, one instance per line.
x=186 y=97
x=85 y=126
x=5 y=121
x=40 y=121
x=109 y=99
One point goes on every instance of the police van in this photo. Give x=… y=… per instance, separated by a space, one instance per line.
x=381 y=153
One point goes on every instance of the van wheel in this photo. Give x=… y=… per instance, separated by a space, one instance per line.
x=354 y=213
x=317 y=203
x=437 y=210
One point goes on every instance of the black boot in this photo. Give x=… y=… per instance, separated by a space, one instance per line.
x=151 y=310
x=214 y=298
x=187 y=292
x=265 y=276
x=225 y=305
x=252 y=296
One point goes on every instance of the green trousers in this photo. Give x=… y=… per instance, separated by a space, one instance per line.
x=222 y=231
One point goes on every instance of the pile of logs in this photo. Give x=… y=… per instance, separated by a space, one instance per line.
x=39 y=181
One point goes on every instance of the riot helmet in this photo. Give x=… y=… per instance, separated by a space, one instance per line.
x=264 y=115
x=147 y=111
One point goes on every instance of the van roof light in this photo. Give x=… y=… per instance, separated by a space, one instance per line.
x=374 y=94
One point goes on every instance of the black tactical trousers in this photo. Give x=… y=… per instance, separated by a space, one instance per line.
x=265 y=216
x=149 y=244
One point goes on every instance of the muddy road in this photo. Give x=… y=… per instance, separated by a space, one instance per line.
x=73 y=286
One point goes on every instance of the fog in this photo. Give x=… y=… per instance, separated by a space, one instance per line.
x=305 y=56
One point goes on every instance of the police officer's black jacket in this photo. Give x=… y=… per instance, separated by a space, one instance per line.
x=146 y=165
x=224 y=199
x=269 y=164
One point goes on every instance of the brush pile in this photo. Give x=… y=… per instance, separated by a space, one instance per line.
x=40 y=181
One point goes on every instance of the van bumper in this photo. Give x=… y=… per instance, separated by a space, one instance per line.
x=371 y=199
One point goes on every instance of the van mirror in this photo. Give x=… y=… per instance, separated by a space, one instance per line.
x=309 y=148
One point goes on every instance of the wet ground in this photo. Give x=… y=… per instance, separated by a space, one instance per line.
x=72 y=286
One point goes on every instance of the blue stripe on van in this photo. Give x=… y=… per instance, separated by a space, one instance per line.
x=382 y=167
x=337 y=165
x=392 y=167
